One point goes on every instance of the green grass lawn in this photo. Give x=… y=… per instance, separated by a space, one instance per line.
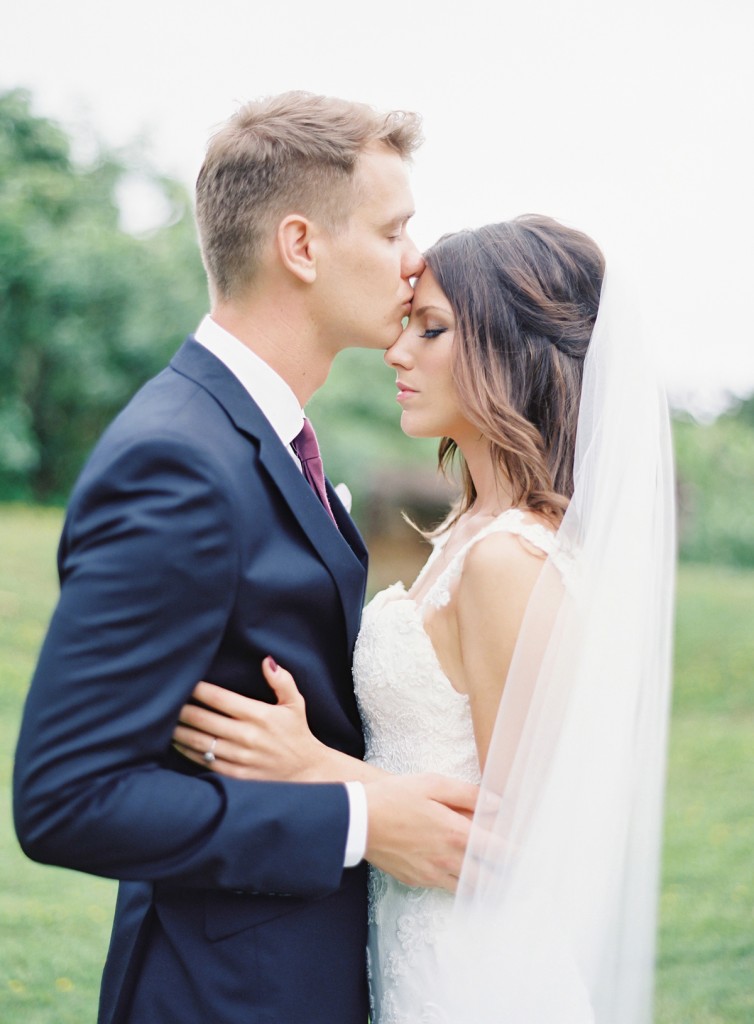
x=55 y=923
x=706 y=967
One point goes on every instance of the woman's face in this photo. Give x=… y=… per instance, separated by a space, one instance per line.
x=422 y=358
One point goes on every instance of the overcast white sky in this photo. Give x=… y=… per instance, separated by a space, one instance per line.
x=632 y=120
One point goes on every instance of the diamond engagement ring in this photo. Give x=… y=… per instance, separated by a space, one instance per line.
x=209 y=757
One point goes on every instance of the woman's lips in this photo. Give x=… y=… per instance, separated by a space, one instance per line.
x=404 y=391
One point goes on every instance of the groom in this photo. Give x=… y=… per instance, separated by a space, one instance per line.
x=194 y=546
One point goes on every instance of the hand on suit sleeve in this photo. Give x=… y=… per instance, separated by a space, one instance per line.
x=418 y=828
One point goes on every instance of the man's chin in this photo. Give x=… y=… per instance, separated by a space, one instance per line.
x=379 y=338
x=379 y=344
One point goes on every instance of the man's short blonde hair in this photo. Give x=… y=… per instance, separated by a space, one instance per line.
x=292 y=153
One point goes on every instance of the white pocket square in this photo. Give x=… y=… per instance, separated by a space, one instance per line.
x=345 y=496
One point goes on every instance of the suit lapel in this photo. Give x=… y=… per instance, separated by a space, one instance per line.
x=342 y=551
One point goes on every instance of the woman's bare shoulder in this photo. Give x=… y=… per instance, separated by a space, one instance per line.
x=505 y=557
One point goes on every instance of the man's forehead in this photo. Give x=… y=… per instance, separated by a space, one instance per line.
x=382 y=179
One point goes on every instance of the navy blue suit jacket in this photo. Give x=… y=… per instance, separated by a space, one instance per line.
x=193 y=547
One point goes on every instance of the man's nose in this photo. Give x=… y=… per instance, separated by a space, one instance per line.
x=413 y=263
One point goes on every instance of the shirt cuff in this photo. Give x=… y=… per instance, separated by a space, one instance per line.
x=356 y=840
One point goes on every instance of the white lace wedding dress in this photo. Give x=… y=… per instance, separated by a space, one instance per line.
x=415 y=721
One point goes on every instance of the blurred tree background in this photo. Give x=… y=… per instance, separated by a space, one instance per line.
x=715 y=466
x=89 y=311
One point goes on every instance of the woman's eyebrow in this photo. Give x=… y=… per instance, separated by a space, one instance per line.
x=425 y=309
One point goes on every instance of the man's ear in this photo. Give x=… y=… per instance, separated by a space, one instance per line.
x=294 y=241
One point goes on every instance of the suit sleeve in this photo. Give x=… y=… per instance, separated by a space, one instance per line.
x=149 y=567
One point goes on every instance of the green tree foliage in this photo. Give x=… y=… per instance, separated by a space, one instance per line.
x=715 y=466
x=87 y=311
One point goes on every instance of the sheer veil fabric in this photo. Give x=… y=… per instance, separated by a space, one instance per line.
x=555 y=917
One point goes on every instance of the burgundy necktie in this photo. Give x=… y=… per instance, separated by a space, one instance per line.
x=306 y=448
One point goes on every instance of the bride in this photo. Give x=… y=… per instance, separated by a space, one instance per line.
x=531 y=654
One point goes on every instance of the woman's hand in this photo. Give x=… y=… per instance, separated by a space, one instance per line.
x=251 y=739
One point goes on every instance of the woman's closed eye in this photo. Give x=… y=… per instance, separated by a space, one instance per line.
x=433 y=332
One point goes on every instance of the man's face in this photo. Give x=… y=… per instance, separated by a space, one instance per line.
x=363 y=270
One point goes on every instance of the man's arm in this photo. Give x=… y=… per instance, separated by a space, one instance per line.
x=149 y=571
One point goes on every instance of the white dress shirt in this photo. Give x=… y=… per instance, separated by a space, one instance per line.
x=281 y=407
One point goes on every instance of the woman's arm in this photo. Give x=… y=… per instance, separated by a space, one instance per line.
x=498 y=576
x=251 y=739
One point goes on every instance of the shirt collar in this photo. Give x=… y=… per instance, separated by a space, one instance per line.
x=268 y=389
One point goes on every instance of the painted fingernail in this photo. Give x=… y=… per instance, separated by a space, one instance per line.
x=272 y=663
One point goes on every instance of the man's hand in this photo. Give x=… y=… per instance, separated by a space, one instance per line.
x=418 y=828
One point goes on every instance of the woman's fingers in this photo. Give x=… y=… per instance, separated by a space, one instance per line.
x=189 y=752
x=249 y=738
x=238 y=743
x=234 y=705
x=193 y=739
x=220 y=765
x=227 y=702
x=214 y=724
x=195 y=744
x=281 y=682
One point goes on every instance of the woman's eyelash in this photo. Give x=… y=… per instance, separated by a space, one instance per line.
x=433 y=332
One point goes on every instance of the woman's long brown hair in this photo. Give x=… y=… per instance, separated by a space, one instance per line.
x=525 y=295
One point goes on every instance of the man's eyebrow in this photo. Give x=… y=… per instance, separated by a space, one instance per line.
x=401 y=218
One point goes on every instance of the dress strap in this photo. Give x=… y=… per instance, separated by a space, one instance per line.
x=512 y=521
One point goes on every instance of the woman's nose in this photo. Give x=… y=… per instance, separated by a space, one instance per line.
x=399 y=353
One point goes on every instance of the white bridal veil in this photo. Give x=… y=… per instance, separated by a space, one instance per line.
x=555 y=918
